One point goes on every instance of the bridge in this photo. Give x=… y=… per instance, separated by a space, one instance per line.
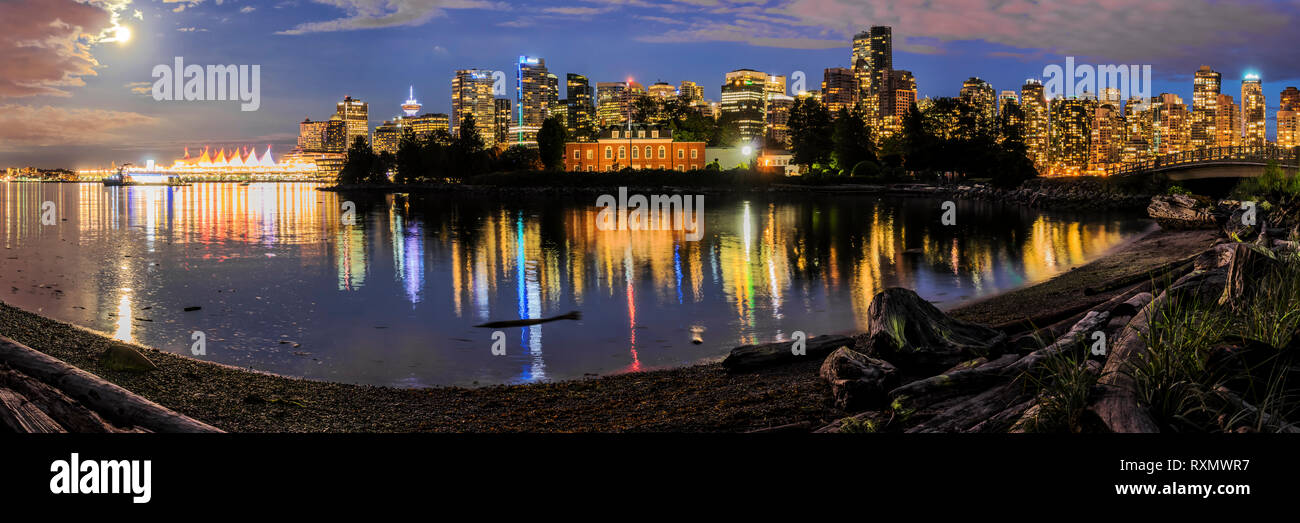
x=1215 y=162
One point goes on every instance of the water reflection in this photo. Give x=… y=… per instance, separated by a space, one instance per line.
x=391 y=299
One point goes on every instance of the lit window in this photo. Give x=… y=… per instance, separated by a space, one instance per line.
x=577 y=155
x=634 y=152
x=681 y=168
x=648 y=152
x=695 y=167
x=681 y=154
x=640 y=134
x=615 y=135
x=589 y=153
x=695 y=153
x=654 y=133
x=609 y=152
x=622 y=152
x=663 y=153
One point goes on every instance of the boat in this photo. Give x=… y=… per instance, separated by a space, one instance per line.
x=124 y=179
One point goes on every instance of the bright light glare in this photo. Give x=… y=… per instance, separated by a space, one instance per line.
x=746 y=150
x=123 y=34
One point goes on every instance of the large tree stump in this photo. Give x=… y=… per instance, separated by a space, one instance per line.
x=1249 y=264
x=921 y=337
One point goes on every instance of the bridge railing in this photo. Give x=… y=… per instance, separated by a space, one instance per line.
x=1287 y=156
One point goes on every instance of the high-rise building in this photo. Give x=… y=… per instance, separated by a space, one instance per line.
x=1034 y=104
x=1252 y=111
x=744 y=102
x=1106 y=142
x=979 y=94
x=690 y=91
x=535 y=93
x=778 y=118
x=892 y=101
x=329 y=136
x=1172 y=125
x=860 y=60
x=1206 y=86
x=471 y=94
x=1138 y=130
x=1071 y=133
x=1227 y=122
x=386 y=137
x=581 y=121
x=612 y=99
x=503 y=120
x=873 y=53
x=1288 y=118
x=662 y=90
x=356 y=116
x=839 y=89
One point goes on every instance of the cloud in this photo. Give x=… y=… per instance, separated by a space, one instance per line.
x=45 y=45
x=23 y=126
x=141 y=88
x=247 y=9
x=191 y=29
x=576 y=11
x=374 y=14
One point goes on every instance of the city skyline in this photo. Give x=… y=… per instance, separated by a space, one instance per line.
x=128 y=126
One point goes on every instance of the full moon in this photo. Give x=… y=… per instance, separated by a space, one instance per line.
x=123 y=34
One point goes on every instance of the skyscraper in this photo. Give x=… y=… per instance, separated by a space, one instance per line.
x=356 y=117
x=386 y=137
x=535 y=92
x=839 y=89
x=613 y=103
x=979 y=94
x=503 y=120
x=1227 y=125
x=1205 y=104
x=690 y=91
x=1288 y=118
x=581 y=121
x=1252 y=111
x=471 y=94
x=744 y=102
x=1172 y=125
x=662 y=90
x=329 y=136
x=1034 y=104
x=1071 y=133
x=1138 y=130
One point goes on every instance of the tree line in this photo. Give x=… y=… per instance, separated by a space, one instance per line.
x=950 y=136
x=442 y=157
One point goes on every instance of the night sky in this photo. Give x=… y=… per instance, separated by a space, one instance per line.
x=73 y=94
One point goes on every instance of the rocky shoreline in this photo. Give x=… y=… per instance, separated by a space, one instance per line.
x=700 y=398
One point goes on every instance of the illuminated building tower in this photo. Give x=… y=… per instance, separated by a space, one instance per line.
x=895 y=96
x=1106 y=141
x=1112 y=96
x=425 y=125
x=561 y=110
x=1227 y=122
x=1172 y=125
x=690 y=91
x=1288 y=118
x=778 y=118
x=329 y=136
x=502 y=120
x=1205 y=103
x=662 y=90
x=386 y=138
x=882 y=47
x=980 y=95
x=412 y=106
x=1034 y=104
x=839 y=89
x=1138 y=135
x=1071 y=135
x=356 y=116
x=581 y=121
x=744 y=102
x=471 y=94
x=613 y=103
x=534 y=95
x=1006 y=96
x=1252 y=111
x=861 y=61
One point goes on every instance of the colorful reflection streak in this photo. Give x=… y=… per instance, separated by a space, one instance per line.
x=391 y=298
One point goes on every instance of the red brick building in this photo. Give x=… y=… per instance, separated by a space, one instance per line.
x=641 y=147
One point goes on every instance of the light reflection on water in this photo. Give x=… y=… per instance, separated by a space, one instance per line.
x=286 y=287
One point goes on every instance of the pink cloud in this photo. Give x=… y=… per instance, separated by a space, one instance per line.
x=23 y=126
x=45 y=45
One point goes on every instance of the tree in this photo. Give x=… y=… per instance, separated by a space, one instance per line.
x=360 y=161
x=550 y=143
x=518 y=158
x=410 y=159
x=468 y=155
x=810 y=133
x=852 y=140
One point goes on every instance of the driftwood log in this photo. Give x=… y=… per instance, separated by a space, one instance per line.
x=1118 y=407
x=750 y=357
x=69 y=413
x=114 y=403
x=21 y=415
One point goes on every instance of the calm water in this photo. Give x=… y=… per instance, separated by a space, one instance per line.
x=284 y=287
